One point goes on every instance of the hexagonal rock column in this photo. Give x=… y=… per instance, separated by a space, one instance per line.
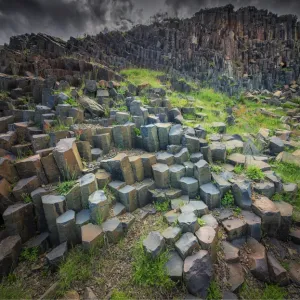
x=36 y=197
x=10 y=249
x=207 y=238
x=186 y=245
x=163 y=134
x=19 y=220
x=82 y=218
x=73 y=198
x=66 y=228
x=175 y=135
x=143 y=195
x=5 y=195
x=235 y=276
x=269 y=213
x=150 y=138
x=171 y=235
x=202 y=172
x=190 y=186
x=8 y=170
x=122 y=136
x=199 y=208
x=25 y=186
x=258 y=260
x=174 y=266
x=242 y=194
x=92 y=235
x=218 y=151
x=286 y=212
x=253 y=224
x=188 y=222
x=67 y=158
x=154 y=244
x=57 y=255
x=54 y=206
x=231 y=253
x=137 y=167
x=192 y=143
x=88 y=185
x=210 y=195
x=113 y=229
x=102 y=141
x=161 y=175
x=98 y=206
x=165 y=158
x=198 y=273
x=278 y=274
x=182 y=156
x=127 y=196
x=148 y=161
x=176 y=172
x=119 y=167
x=103 y=178
x=235 y=228
x=84 y=149
x=50 y=167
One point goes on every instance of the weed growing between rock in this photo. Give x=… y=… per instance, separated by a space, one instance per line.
x=255 y=173
x=149 y=271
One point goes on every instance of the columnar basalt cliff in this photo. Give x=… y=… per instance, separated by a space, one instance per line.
x=256 y=48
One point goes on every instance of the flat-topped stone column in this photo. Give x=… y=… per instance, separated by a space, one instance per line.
x=66 y=228
x=54 y=206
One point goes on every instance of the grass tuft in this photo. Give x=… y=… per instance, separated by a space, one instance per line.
x=255 y=173
x=148 y=271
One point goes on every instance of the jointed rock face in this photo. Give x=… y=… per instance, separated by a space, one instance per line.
x=254 y=47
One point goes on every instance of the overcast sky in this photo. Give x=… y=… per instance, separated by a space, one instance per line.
x=65 y=18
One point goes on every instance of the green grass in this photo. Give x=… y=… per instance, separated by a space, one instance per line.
x=30 y=254
x=137 y=131
x=72 y=102
x=141 y=76
x=162 y=206
x=214 y=291
x=13 y=288
x=255 y=173
x=149 y=272
x=119 y=295
x=3 y=95
x=64 y=187
x=216 y=169
x=289 y=173
x=228 y=199
x=238 y=169
x=201 y=222
x=76 y=268
x=26 y=198
x=270 y=292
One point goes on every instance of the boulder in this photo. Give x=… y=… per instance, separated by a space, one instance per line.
x=278 y=274
x=198 y=273
x=188 y=222
x=174 y=266
x=91 y=106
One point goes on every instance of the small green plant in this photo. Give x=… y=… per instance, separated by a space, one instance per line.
x=214 y=291
x=255 y=173
x=26 y=198
x=237 y=211
x=277 y=197
x=286 y=265
x=228 y=199
x=72 y=102
x=99 y=218
x=216 y=169
x=12 y=288
x=148 y=271
x=238 y=169
x=270 y=291
x=30 y=254
x=201 y=222
x=162 y=206
x=64 y=187
x=137 y=131
x=119 y=295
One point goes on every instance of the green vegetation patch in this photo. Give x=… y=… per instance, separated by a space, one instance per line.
x=148 y=271
x=143 y=76
x=255 y=173
x=64 y=187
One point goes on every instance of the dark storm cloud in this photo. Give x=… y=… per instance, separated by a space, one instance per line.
x=187 y=7
x=64 y=17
